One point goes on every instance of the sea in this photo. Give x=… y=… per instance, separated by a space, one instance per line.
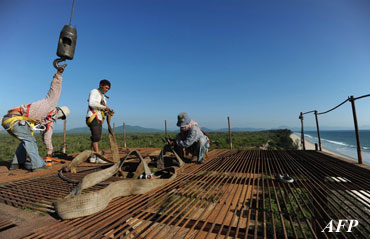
x=342 y=142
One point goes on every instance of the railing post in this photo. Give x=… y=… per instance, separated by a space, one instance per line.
x=302 y=132
x=165 y=128
x=359 y=152
x=318 y=130
x=124 y=134
x=230 y=140
x=114 y=127
x=64 y=137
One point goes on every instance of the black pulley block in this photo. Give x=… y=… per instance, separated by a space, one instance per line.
x=67 y=42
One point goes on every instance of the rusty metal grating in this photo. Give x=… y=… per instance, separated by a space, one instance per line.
x=38 y=193
x=233 y=195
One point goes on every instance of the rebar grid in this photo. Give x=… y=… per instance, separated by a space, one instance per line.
x=233 y=195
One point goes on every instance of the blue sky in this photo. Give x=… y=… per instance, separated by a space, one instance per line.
x=259 y=62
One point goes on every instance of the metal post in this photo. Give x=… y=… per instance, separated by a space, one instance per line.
x=64 y=136
x=124 y=135
x=165 y=128
x=302 y=132
x=359 y=152
x=230 y=139
x=114 y=127
x=318 y=130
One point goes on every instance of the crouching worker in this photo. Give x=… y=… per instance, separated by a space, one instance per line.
x=191 y=137
x=47 y=126
x=23 y=120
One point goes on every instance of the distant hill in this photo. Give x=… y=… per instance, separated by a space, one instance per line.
x=139 y=129
x=129 y=129
x=238 y=129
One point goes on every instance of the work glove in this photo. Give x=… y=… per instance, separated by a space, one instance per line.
x=61 y=68
x=170 y=142
x=111 y=112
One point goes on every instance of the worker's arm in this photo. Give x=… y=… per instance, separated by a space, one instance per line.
x=190 y=139
x=95 y=100
x=39 y=109
x=55 y=87
x=53 y=95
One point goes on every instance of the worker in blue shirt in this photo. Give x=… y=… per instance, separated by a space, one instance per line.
x=191 y=137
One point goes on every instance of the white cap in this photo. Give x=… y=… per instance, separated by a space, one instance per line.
x=63 y=112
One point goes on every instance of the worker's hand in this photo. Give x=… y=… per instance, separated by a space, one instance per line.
x=109 y=110
x=170 y=142
x=61 y=68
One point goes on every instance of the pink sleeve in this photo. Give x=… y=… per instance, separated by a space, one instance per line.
x=41 y=108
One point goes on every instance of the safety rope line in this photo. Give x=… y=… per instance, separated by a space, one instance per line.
x=333 y=108
x=308 y=112
x=361 y=97
x=345 y=101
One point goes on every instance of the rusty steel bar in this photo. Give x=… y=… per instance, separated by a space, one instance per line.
x=126 y=218
x=224 y=201
x=359 y=151
x=234 y=194
x=206 y=205
x=341 y=201
x=284 y=190
x=241 y=196
x=138 y=208
x=251 y=167
x=191 y=188
x=333 y=202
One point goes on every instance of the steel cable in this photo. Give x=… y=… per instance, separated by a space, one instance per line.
x=333 y=108
x=357 y=98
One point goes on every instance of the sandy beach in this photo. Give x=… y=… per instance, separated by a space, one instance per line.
x=311 y=146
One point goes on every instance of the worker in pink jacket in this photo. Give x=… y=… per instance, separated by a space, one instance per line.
x=23 y=120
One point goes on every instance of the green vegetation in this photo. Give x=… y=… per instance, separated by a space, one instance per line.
x=271 y=139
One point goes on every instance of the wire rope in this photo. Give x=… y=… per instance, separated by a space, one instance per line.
x=73 y=7
x=333 y=108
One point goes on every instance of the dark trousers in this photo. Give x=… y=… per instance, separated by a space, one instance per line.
x=96 y=129
x=193 y=149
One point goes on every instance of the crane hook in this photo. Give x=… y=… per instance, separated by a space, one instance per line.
x=57 y=61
